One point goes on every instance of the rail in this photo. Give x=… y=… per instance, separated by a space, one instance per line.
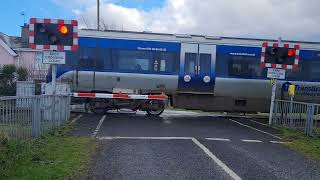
x=296 y=115
x=25 y=117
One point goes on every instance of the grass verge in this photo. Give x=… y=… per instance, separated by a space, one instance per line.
x=54 y=156
x=309 y=146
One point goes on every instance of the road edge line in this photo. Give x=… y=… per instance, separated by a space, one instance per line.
x=262 y=124
x=264 y=132
x=76 y=119
x=217 y=139
x=251 y=140
x=279 y=142
x=231 y=173
x=143 y=138
x=94 y=134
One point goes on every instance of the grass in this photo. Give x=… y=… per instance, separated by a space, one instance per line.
x=309 y=146
x=55 y=156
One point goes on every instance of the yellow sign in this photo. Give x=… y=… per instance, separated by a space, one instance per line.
x=273 y=81
x=292 y=90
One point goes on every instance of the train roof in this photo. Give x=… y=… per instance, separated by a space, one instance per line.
x=188 y=38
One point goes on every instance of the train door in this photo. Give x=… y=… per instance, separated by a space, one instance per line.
x=197 y=68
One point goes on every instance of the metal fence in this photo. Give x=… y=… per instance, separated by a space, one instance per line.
x=25 y=117
x=296 y=115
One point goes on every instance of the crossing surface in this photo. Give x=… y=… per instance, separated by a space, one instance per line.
x=189 y=145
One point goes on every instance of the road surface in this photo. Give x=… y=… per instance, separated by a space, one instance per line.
x=189 y=145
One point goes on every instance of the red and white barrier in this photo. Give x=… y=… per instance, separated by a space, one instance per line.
x=121 y=96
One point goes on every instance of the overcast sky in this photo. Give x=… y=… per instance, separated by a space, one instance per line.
x=290 y=19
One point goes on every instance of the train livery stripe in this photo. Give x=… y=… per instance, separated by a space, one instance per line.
x=145 y=45
x=121 y=96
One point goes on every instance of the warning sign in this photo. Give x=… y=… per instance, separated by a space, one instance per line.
x=54 y=57
x=276 y=73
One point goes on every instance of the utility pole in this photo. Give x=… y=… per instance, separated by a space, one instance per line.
x=98 y=14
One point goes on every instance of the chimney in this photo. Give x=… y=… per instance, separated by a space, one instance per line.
x=25 y=34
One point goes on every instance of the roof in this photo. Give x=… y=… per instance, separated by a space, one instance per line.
x=189 y=38
x=198 y=35
x=5 y=42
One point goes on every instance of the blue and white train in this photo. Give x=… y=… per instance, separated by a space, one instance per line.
x=197 y=72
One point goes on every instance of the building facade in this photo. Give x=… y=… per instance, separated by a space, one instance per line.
x=14 y=50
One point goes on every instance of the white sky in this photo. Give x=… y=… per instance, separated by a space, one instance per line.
x=290 y=19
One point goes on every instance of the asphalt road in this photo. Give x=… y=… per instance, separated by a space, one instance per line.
x=189 y=145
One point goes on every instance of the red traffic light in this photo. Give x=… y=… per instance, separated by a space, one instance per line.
x=291 y=52
x=63 y=29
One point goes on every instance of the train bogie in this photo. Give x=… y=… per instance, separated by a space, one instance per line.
x=100 y=103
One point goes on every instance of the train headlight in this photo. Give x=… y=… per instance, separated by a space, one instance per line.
x=206 y=79
x=187 y=78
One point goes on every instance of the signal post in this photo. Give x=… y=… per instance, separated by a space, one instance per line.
x=278 y=58
x=53 y=37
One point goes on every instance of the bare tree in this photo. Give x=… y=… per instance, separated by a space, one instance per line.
x=104 y=25
x=86 y=23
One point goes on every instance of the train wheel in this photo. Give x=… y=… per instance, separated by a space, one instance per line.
x=97 y=106
x=156 y=108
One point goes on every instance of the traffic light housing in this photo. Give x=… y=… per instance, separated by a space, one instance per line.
x=286 y=57
x=50 y=34
x=280 y=55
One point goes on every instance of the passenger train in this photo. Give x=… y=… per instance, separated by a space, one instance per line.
x=208 y=73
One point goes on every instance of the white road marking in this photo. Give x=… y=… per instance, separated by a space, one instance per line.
x=258 y=122
x=206 y=150
x=279 y=142
x=166 y=121
x=255 y=129
x=216 y=160
x=76 y=119
x=144 y=138
x=217 y=139
x=251 y=140
x=94 y=134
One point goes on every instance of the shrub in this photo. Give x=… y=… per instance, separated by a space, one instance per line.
x=9 y=74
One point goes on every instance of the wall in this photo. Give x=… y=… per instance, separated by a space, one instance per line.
x=5 y=57
x=37 y=70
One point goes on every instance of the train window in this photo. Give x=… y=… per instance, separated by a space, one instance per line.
x=86 y=58
x=72 y=59
x=308 y=70
x=102 y=59
x=133 y=60
x=205 y=63
x=163 y=65
x=238 y=66
x=169 y=62
x=314 y=71
x=299 y=74
x=94 y=59
x=190 y=63
x=246 y=67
